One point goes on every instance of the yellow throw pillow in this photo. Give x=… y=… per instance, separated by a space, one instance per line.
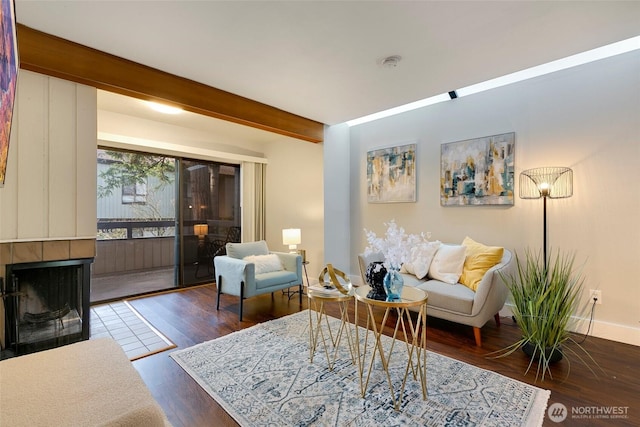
x=479 y=259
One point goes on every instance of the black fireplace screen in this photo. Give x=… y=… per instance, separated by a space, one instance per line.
x=47 y=304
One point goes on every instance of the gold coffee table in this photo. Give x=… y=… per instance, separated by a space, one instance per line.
x=414 y=333
x=318 y=297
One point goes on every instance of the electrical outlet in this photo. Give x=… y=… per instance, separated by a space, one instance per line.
x=595 y=294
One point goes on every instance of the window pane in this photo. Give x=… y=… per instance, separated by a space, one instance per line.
x=136 y=225
x=211 y=214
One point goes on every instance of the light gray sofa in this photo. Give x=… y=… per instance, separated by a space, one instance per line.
x=237 y=276
x=458 y=303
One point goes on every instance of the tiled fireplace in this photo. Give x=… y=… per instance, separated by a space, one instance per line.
x=46 y=287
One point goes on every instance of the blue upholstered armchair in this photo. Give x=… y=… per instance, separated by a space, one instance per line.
x=250 y=269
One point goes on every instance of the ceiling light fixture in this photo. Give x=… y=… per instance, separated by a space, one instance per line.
x=391 y=61
x=603 y=52
x=163 y=108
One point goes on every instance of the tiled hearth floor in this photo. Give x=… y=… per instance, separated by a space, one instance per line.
x=121 y=322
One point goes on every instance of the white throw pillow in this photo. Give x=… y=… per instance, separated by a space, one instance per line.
x=421 y=257
x=265 y=263
x=447 y=263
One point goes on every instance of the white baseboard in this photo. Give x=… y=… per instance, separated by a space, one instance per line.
x=606 y=330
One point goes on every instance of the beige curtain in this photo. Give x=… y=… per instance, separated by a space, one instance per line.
x=253 y=201
x=260 y=207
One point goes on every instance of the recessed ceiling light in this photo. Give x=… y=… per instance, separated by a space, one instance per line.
x=163 y=108
x=391 y=61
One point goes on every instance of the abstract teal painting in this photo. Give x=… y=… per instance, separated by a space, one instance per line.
x=391 y=174
x=478 y=171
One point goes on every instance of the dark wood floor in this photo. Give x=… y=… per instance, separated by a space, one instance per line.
x=190 y=317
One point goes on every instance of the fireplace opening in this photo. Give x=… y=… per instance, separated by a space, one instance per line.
x=47 y=304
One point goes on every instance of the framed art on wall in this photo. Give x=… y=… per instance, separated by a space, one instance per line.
x=9 y=64
x=478 y=171
x=391 y=174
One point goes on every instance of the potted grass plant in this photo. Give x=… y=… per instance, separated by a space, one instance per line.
x=545 y=297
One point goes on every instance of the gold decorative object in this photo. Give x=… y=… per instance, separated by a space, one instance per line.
x=334 y=273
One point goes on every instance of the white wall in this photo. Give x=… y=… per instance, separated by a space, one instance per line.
x=337 y=202
x=586 y=118
x=50 y=186
x=295 y=198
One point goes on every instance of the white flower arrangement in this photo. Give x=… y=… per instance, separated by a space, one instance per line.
x=395 y=246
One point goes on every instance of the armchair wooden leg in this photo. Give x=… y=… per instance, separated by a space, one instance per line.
x=241 y=298
x=477 y=334
x=497 y=317
x=300 y=293
x=219 y=286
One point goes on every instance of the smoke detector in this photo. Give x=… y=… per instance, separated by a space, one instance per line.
x=391 y=61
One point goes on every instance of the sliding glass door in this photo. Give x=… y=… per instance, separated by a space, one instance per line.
x=209 y=216
x=136 y=225
x=161 y=220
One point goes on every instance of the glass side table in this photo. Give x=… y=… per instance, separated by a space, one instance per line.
x=414 y=334
x=318 y=297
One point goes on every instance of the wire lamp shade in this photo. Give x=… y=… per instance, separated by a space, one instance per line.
x=551 y=182
x=546 y=183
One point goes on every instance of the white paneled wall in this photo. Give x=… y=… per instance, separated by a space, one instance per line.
x=50 y=187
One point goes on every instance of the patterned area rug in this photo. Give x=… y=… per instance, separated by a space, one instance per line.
x=262 y=376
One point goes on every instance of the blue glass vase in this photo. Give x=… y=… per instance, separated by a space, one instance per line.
x=393 y=283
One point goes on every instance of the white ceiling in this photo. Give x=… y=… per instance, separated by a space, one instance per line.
x=320 y=59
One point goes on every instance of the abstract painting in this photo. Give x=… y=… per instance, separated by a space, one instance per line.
x=391 y=174
x=8 y=77
x=478 y=171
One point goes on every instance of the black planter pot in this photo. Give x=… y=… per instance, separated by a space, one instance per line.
x=552 y=355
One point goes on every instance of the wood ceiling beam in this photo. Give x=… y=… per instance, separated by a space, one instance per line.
x=47 y=54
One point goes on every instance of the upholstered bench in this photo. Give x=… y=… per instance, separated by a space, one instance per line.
x=90 y=383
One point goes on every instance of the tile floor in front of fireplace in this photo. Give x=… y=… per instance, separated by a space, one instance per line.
x=121 y=322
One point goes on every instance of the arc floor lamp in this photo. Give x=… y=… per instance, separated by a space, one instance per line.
x=546 y=183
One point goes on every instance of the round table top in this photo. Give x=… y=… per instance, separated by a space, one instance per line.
x=410 y=297
x=331 y=294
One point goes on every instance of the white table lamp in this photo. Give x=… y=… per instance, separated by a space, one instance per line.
x=291 y=237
